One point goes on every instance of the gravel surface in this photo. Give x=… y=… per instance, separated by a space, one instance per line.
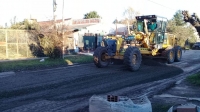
x=69 y=88
x=182 y=93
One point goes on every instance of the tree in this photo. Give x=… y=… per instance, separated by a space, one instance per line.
x=52 y=41
x=14 y=20
x=193 y=20
x=92 y=14
x=116 y=21
x=129 y=15
x=129 y=19
x=24 y=25
x=181 y=30
x=178 y=18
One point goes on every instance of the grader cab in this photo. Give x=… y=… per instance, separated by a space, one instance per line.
x=151 y=39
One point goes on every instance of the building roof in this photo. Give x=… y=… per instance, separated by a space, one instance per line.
x=44 y=23
x=80 y=26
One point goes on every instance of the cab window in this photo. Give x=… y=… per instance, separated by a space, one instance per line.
x=164 y=26
x=140 y=26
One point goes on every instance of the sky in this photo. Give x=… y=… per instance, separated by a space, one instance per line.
x=109 y=10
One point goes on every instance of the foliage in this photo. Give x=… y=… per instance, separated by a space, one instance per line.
x=129 y=18
x=116 y=21
x=181 y=30
x=24 y=25
x=50 y=39
x=194 y=79
x=178 y=18
x=36 y=64
x=51 y=44
x=129 y=15
x=92 y=14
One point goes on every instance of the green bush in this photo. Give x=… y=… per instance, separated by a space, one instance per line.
x=194 y=79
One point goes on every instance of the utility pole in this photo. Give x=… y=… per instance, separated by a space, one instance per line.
x=63 y=49
x=128 y=27
x=116 y=21
x=54 y=10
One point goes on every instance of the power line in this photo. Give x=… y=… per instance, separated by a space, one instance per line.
x=162 y=5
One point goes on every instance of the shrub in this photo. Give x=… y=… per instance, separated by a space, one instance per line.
x=51 y=45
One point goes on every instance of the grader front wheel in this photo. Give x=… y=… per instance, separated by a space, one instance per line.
x=99 y=57
x=132 y=58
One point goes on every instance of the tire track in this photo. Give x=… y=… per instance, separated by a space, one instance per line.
x=90 y=84
x=60 y=85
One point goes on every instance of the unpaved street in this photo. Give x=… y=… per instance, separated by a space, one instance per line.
x=68 y=89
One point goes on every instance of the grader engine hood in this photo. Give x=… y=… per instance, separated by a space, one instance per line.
x=142 y=38
x=139 y=36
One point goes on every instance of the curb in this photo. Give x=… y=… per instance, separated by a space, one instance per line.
x=6 y=74
x=23 y=59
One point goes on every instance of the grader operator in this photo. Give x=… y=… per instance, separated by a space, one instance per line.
x=151 y=39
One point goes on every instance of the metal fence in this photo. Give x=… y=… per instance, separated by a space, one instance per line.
x=16 y=43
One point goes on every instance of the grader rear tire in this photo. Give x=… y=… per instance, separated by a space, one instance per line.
x=178 y=54
x=132 y=58
x=99 y=57
x=170 y=55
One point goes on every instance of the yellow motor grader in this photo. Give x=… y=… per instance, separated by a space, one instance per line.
x=151 y=39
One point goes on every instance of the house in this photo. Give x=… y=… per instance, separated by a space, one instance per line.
x=47 y=26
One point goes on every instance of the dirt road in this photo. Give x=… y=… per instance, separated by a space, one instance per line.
x=68 y=89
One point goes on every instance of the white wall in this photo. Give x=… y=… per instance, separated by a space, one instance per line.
x=98 y=28
x=120 y=28
x=75 y=39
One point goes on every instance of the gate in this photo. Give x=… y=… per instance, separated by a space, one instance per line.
x=92 y=42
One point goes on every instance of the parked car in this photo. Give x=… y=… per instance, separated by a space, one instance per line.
x=196 y=46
